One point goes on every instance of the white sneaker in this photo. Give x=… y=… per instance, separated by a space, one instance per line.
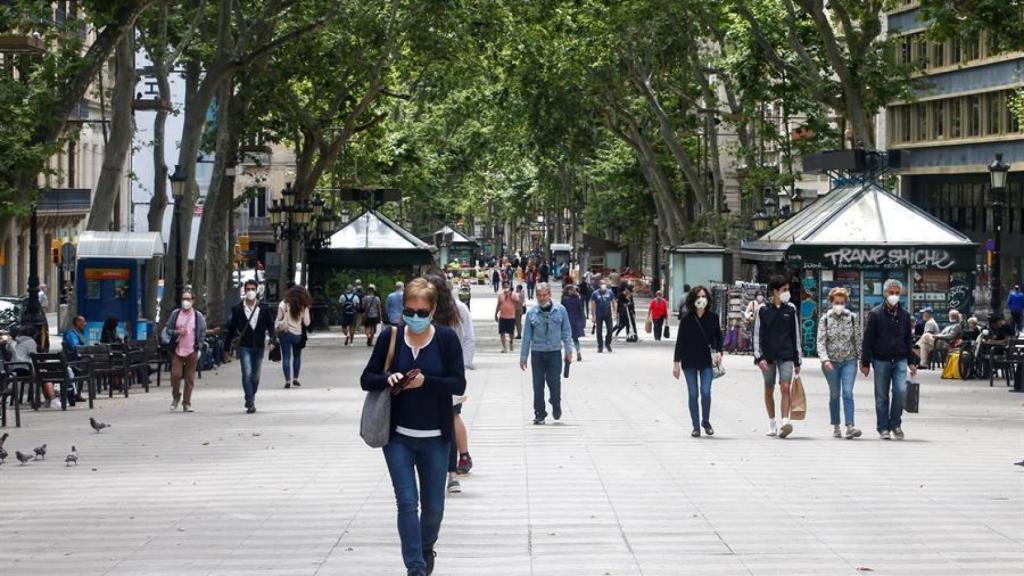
x=773 y=428
x=174 y=405
x=786 y=430
x=454 y=487
x=836 y=433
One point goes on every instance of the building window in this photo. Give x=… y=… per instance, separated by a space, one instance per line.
x=258 y=202
x=920 y=51
x=955 y=118
x=994 y=112
x=1012 y=122
x=973 y=116
x=955 y=51
x=904 y=116
x=906 y=50
x=972 y=50
x=938 y=120
x=938 y=54
x=921 y=113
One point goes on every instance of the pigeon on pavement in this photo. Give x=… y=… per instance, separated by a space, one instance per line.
x=73 y=457
x=41 y=452
x=3 y=455
x=3 y=439
x=22 y=457
x=97 y=425
x=1021 y=463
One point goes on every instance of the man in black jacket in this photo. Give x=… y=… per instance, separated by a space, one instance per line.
x=777 y=350
x=252 y=323
x=889 y=348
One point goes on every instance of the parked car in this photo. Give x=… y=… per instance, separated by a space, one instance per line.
x=11 y=311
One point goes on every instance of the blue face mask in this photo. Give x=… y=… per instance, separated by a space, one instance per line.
x=416 y=324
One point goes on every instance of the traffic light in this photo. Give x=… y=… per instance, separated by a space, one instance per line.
x=55 y=255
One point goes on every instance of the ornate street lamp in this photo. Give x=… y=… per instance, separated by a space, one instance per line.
x=769 y=207
x=997 y=171
x=760 y=220
x=798 y=200
x=178 y=180
x=318 y=205
x=288 y=196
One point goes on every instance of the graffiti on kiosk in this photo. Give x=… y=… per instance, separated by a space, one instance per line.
x=889 y=258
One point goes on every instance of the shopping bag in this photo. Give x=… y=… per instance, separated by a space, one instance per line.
x=912 y=401
x=951 y=371
x=275 y=353
x=375 y=420
x=797 y=400
x=648 y=326
x=668 y=333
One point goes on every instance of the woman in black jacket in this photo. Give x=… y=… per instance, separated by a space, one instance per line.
x=698 y=349
x=426 y=369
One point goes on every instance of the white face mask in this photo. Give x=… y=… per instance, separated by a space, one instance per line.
x=250 y=295
x=838 y=308
x=701 y=303
x=760 y=297
x=893 y=299
x=186 y=304
x=785 y=296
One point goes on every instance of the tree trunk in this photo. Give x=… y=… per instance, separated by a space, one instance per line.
x=122 y=129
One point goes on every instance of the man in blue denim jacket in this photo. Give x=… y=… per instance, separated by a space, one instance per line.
x=548 y=334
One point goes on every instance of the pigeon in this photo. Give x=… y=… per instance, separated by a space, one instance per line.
x=3 y=455
x=22 y=457
x=1021 y=463
x=97 y=425
x=73 y=457
x=41 y=452
x=3 y=439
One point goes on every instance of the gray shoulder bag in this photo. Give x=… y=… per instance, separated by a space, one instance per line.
x=716 y=367
x=375 y=422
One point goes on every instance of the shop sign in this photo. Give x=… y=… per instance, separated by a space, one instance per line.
x=888 y=258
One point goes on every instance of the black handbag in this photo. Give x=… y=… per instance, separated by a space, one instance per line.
x=667 y=332
x=912 y=401
x=275 y=354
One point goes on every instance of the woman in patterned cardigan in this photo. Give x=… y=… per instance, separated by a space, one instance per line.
x=839 y=337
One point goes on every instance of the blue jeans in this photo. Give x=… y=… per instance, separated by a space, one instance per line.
x=547 y=366
x=890 y=376
x=604 y=333
x=250 y=359
x=429 y=457
x=841 y=377
x=291 y=355
x=706 y=376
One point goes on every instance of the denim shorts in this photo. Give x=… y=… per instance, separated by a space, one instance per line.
x=783 y=370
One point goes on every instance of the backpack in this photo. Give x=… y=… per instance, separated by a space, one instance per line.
x=348 y=304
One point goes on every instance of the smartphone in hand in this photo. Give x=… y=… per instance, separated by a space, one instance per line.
x=406 y=378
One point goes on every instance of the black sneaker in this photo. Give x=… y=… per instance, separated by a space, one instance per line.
x=296 y=383
x=557 y=412
x=250 y=410
x=708 y=429
x=428 y=557
x=695 y=433
x=287 y=385
x=538 y=421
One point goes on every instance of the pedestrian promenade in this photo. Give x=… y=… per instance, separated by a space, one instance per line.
x=618 y=487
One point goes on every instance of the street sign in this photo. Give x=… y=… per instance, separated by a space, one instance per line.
x=990 y=245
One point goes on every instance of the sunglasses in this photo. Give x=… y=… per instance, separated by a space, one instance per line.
x=419 y=313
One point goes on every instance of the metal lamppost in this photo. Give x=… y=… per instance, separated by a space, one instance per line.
x=178 y=192
x=34 y=316
x=997 y=171
x=291 y=219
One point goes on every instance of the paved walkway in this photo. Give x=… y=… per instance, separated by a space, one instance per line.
x=618 y=487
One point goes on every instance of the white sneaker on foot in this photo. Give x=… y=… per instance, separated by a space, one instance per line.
x=773 y=428
x=174 y=405
x=836 y=433
x=787 y=428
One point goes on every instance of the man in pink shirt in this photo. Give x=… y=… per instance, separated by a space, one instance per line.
x=184 y=333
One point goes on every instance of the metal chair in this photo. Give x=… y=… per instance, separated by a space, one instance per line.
x=54 y=367
x=13 y=377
